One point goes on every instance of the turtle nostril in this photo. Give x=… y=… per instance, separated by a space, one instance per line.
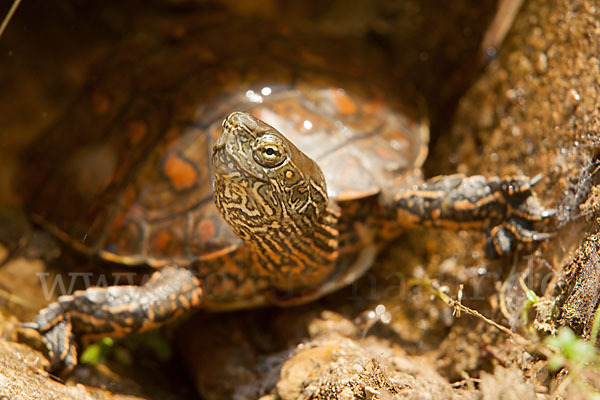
x=231 y=120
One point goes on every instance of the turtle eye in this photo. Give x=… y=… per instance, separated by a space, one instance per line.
x=269 y=155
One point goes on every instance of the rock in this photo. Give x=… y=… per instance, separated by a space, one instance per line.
x=506 y=384
x=331 y=365
x=22 y=377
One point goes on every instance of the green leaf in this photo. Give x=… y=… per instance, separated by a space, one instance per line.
x=96 y=353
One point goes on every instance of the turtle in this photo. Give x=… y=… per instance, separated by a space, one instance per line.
x=269 y=172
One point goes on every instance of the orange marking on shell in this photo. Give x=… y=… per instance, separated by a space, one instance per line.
x=206 y=228
x=181 y=174
x=343 y=102
x=136 y=130
x=100 y=103
x=162 y=240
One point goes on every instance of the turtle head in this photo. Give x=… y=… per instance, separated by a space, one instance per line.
x=265 y=187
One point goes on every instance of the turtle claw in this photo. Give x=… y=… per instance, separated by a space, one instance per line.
x=536 y=179
x=502 y=238
x=29 y=325
x=57 y=334
x=62 y=351
x=60 y=343
x=522 y=212
x=553 y=212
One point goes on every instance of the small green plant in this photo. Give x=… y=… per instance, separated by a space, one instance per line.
x=96 y=353
x=571 y=348
x=532 y=300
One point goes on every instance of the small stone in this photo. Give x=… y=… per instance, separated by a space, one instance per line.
x=542 y=63
x=346 y=394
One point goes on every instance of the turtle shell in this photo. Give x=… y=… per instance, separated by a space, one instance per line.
x=125 y=172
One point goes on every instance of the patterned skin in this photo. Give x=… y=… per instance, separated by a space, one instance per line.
x=291 y=218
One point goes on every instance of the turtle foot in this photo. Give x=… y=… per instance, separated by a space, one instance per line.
x=504 y=207
x=521 y=212
x=114 y=311
x=60 y=343
x=62 y=351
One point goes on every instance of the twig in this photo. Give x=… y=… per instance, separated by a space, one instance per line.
x=9 y=15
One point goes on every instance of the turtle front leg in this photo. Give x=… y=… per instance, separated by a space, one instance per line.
x=115 y=311
x=504 y=207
